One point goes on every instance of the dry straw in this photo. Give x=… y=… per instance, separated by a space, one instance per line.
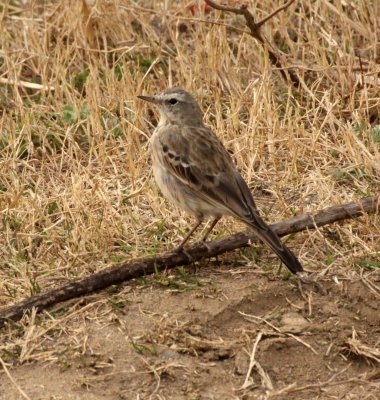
x=76 y=192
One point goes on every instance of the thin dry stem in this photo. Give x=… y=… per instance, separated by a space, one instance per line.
x=254 y=363
x=14 y=382
x=255 y=318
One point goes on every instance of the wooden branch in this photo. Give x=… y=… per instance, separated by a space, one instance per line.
x=127 y=271
x=219 y=7
x=285 y=6
x=256 y=33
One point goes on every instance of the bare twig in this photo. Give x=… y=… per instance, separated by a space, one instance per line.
x=365 y=378
x=255 y=32
x=359 y=348
x=286 y=5
x=219 y=7
x=28 y=85
x=120 y=273
x=330 y=382
x=254 y=318
x=254 y=363
x=371 y=286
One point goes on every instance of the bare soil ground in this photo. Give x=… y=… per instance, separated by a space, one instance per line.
x=77 y=196
x=191 y=335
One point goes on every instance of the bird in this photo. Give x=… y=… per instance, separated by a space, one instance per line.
x=194 y=171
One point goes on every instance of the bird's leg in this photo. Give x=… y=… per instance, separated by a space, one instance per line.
x=205 y=236
x=180 y=247
x=212 y=226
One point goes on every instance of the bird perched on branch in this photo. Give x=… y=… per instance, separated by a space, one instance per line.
x=194 y=171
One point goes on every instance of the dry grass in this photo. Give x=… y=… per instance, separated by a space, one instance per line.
x=76 y=192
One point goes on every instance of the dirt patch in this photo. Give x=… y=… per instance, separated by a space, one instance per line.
x=191 y=337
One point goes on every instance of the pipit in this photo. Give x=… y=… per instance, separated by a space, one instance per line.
x=194 y=171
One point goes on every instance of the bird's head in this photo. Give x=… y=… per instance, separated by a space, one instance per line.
x=176 y=106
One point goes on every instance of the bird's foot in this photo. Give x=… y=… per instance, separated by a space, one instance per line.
x=181 y=250
x=204 y=244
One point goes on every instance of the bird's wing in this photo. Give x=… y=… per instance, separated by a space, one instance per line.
x=199 y=160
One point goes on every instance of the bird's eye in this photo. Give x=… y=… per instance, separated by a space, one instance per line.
x=173 y=101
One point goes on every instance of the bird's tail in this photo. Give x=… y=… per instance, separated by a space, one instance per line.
x=268 y=236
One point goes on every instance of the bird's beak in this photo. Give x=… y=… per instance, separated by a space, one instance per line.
x=151 y=99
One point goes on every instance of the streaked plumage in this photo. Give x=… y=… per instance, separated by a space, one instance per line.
x=194 y=171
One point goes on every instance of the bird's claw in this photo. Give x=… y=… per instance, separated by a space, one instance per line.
x=181 y=250
x=204 y=244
